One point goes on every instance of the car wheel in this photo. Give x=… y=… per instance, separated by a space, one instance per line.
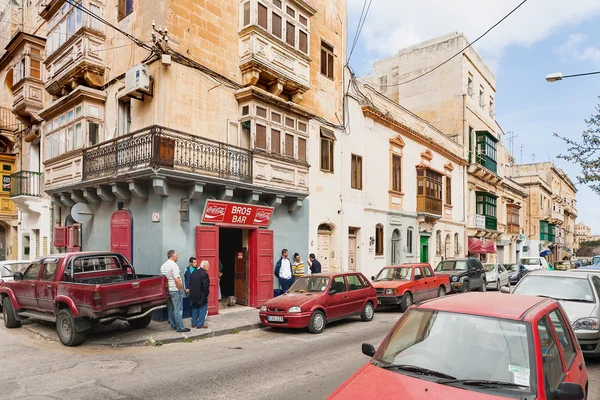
x=466 y=287
x=368 y=312
x=483 y=287
x=441 y=291
x=407 y=301
x=317 y=322
x=10 y=319
x=65 y=327
x=140 y=323
x=498 y=285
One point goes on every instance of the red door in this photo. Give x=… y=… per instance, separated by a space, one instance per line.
x=120 y=233
x=207 y=248
x=261 y=267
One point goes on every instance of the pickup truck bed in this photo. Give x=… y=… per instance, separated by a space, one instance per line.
x=76 y=290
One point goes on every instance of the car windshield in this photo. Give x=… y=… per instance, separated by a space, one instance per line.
x=558 y=287
x=462 y=345
x=310 y=284
x=564 y=263
x=512 y=267
x=596 y=260
x=8 y=270
x=451 y=266
x=394 y=274
x=489 y=267
x=530 y=261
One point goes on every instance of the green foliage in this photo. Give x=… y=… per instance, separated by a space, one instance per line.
x=586 y=153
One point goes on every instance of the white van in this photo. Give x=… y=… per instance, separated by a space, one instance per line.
x=8 y=268
x=534 y=263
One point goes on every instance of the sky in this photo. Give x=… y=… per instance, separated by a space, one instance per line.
x=541 y=37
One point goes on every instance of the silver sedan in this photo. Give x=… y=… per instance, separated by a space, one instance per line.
x=496 y=276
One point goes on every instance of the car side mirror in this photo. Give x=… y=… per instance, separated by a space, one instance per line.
x=505 y=290
x=18 y=276
x=372 y=278
x=368 y=349
x=332 y=291
x=567 y=391
x=418 y=277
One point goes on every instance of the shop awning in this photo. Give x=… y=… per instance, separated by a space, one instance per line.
x=489 y=247
x=476 y=246
x=327 y=133
x=545 y=253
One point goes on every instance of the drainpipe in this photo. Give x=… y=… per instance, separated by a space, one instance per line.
x=466 y=150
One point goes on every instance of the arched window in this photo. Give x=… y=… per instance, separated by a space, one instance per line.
x=409 y=240
x=396 y=246
x=456 y=245
x=447 y=246
x=438 y=243
x=379 y=240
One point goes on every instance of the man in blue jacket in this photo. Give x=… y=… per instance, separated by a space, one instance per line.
x=187 y=276
x=283 y=271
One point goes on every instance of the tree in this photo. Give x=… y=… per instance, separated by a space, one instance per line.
x=586 y=153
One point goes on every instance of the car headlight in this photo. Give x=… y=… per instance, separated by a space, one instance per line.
x=389 y=291
x=263 y=308
x=454 y=278
x=295 y=309
x=588 y=324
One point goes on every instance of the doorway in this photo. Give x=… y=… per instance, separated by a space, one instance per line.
x=2 y=243
x=324 y=246
x=395 y=247
x=352 y=249
x=424 y=249
x=234 y=258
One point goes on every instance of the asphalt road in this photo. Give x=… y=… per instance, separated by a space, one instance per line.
x=257 y=365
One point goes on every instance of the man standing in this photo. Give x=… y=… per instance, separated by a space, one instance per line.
x=314 y=264
x=298 y=266
x=188 y=273
x=170 y=269
x=199 y=290
x=283 y=271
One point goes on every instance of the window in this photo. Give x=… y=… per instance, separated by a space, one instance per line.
x=438 y=243
x=275 y=141
x=125 y=8
x=551 y=232
x=379 y=240
x=427 y=272
x=303 y=41
x=354 y=283
x=429 y=191
x=564 y=337
x=261 y=112
x=448 y=191
x=417 y=273
x=95 y=111
x=409 y=240
x=32 y=272
x=93 y=134
x=396 y=173
x=124 y=117
x=78 y=141
x=291 y=12
x=246 y=14
x=261 y=137
x=456 y=245
x=338 y=284
x=276 y=117
x=95 y=24
x=481 y=103
x=327 y=139
x=35 y=70
x=49 y=270
x=277 y=3
x=69 y=139
x=290 y=34
x=302 y=126
x=356 y=172
x=262 y=16
x=486 y=150
x=289 y=145
x=513 y=214
x=543 y=230
x=486 y=206
x=302 y=149
x=551 y=362
x=276 y=25
x=303 y=20
x=470 y=86
x=491 y=110
x=327 y=60
x=290 y=122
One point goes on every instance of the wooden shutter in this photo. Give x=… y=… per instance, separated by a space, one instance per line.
x=290 y=34
x=261 y=137
x=262 y=16
x=289 y=145
x=302 y=149
x=303 y=42
x=276 y=27
x=60 y=236
x=275 y=141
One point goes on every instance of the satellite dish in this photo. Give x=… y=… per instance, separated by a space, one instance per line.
x=81 y=213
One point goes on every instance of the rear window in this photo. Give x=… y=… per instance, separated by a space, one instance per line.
x=451 y=266
x=530 y=261
x=96 y=264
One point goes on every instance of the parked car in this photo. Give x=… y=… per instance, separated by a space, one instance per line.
x=315 y=300
x=564 y=265
x=534 y=263
x=442 y=349
x=516 y=273
x=578 y=293
x=595 y=260
x=496 y=276
x=8 y=269
x=77 y=290
x=465 y=274
x=408 y=283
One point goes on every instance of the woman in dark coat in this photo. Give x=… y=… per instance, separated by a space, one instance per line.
x=199 y=290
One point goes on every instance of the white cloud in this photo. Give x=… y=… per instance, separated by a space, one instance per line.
x=573 y=50
x=393 y=24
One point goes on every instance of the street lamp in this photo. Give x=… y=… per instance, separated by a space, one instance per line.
x=558 y=76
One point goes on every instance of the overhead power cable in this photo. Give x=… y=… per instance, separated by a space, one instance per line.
x=359 y=27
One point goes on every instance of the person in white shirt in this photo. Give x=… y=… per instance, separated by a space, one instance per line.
x=170 y=269
x=283 y=271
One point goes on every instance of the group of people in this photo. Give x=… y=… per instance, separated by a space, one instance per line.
x=197 y=289
x=287 y=271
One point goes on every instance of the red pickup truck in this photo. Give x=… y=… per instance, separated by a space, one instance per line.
x=76 y=290
x=407 y=284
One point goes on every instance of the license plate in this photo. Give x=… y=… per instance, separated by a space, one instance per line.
x=134 y=309
x=272 y=318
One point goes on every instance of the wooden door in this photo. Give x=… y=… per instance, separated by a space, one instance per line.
x=424 y=249
x=207 y=248
x=121 y=234
x=323 y=250
x=261 y=267
x=352 y=253
x=241 y=277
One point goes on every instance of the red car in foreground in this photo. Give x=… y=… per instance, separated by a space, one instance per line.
x=315 y=300
x=475 y=346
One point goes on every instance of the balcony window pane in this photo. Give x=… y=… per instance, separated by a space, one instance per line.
x=78 y=19
x=71 y=24
x=289 y=122
x=289 y=145
x=63 y=119
x=55 y=124
x=54 y=145
x=302 y=126
x=261 y=137
x=35 y=69
x=290 y=34
x=61 y=142
x=70 y=139
x=302 y=149
x=62 y=33
x=276 y=27
x=291 y=12
x=94 y=111
x=275 y=141
x=77 y=111
x=93 y=134
x=276 y=117
x=262 y=16
x=261 y=112
x=95 y=24
x=246 y=21
x=277 y=3
x=78 y=136
x=70 y=116
x=303 y=42
x=303 y=20
x=48 y=150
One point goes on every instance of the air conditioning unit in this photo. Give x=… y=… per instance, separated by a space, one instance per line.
x=138 y=81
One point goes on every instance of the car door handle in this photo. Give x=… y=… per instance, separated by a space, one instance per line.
x=33 y=285
x=49 y=286
x=345 y=297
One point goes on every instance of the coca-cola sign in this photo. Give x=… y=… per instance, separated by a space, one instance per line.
x=228 y=213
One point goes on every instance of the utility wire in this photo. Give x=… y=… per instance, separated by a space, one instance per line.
x=359 y=28
x=454 y=56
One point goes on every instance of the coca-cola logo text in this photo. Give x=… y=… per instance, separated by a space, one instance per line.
x=215 y=211
x=262 y=215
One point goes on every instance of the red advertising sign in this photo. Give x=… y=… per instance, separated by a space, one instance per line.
x=224 y=212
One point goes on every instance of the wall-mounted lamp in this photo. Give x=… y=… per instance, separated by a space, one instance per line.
x=371 y=241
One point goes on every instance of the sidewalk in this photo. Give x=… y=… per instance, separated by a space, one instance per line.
x=157 y=333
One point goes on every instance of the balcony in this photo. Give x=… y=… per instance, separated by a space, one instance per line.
x=481 y=171
x=161 y=148
x=280 y=172
x=483 y=226
x=513 y=229
x=429 y=205
x=28 y=99
x=557 y=218
x=26 y=190
x=8 y=120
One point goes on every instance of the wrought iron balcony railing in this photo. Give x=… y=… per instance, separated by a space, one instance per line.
x=159 y=147
x=27 y=183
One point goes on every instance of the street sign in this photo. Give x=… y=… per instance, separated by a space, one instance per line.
x=228 y=213
x=81 y=213
x=480 y=221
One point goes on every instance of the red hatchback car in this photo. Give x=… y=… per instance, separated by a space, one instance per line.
x=315 y=300
x=475 y=346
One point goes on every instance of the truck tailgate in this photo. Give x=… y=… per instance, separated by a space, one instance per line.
x=122 y=294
